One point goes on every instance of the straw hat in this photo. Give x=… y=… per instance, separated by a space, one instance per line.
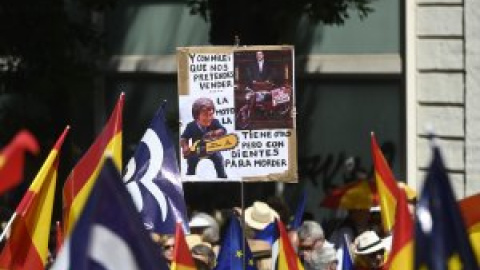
x=201 y=220
x=368 y=242
x=259 y=215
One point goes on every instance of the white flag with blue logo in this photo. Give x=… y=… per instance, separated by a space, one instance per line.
x=153 y=179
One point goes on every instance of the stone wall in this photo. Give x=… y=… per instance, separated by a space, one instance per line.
x=441 y=88
x=472 y=95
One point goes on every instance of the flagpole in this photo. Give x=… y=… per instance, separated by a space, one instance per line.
x=236 y=43
x=7 y=227
x=242 y=203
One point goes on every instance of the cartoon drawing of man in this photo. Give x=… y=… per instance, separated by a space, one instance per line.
x=203 y=127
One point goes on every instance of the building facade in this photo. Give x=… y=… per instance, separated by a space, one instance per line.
x=408 y=66
x=442 y=75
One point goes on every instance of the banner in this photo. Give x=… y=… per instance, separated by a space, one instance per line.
x=237 y=109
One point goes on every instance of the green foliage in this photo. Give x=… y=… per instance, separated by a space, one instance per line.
x=326 y=11
x=49 y=49
x=44 y=45
x=263 y=21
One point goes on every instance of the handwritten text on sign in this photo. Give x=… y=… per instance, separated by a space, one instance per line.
x=260 y=149
x=210 y=72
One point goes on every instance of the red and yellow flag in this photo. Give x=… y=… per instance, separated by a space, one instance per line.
x=79 y=183
x=27 y=246
x=12 y=159
x=386 y=186
x=360 y=194
x=182 y=257
x=401 y=255
x=471 y=216
x=287 y=257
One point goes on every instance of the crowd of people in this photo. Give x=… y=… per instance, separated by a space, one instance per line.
x=318 y=248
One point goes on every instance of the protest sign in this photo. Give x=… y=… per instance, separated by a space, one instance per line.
x=237 y=109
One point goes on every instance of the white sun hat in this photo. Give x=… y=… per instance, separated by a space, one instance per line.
x=201 y=220
x=368 y=242
x=259 y=215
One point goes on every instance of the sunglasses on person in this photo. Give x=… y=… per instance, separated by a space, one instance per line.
x=167 y=247
x=309 y=247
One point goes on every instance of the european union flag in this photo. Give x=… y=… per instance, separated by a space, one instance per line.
x=109 y=233
x=297 y=219
x=441 y=241
x=153 y=179
x=234 y=250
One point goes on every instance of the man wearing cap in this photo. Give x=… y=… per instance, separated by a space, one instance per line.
x=204 y=228
x=369 y=250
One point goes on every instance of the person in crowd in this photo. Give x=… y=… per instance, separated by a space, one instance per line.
x=293 y=237
x=207 y=228
x=204 y=127
x=203 y=252
x=311 y=237
x=369 y=251
x=167 y=244
x=257 y=217
x=356 y=222
x=324 y=258
x=200 y=264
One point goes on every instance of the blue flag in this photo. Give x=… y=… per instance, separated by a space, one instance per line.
x=109 y=233
x=297 y=219
x=441 y=241
x=153 y=180
x=269 y=234
x=347 y=262
x=232 y=256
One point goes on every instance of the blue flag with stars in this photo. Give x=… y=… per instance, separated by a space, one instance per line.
x=231 y=255
x=109 y=233
x=153 y=180
x=441 y=240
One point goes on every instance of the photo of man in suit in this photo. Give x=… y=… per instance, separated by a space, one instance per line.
x=264 y=88
x=261 y=72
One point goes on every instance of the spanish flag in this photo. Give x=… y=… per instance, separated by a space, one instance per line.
x=471 y=215
x=287 y=258
x=386 y=186
x=12 y=159
x=182 y=257
x=401 y=256
x=79 y=183
x=27 y=247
